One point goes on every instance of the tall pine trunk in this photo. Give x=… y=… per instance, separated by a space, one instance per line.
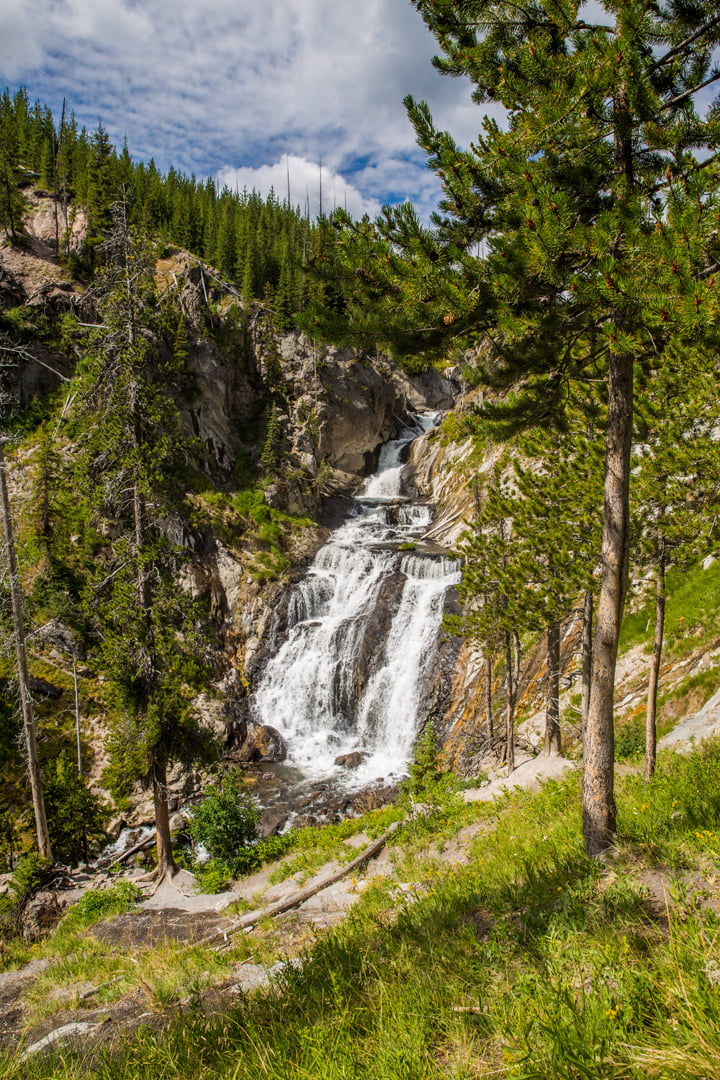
x=650 y=719
x=587 y=628
x=36 y=791
x=510 y=696
x=552 y=695
x=599 y=814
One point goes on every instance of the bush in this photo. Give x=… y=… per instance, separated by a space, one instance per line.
x=76 y=816
x=630 y=739
x=226 y=820
x=30 y=874
x=97 y=904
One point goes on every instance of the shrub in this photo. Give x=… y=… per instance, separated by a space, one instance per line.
x=226 y=820
x=97 y=904
x=76 y=816
x=630 y=739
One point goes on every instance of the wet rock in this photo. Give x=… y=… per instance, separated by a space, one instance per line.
x=262 y=742
x=352 y=760
x=272 y=823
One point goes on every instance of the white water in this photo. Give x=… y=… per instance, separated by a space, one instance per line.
x=316 y=690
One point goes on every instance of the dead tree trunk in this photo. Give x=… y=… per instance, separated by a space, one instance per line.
x=510 y=696
x=41 y=828
x=654 y=679
x=552 y=694
x=166 y=865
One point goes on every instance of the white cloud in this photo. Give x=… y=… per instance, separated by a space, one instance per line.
x=238 y=84
x=304 y=179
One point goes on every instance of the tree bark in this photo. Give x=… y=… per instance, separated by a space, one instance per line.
x=552 y=696
x=41 y=828
x=510 y=694
x=488 y=694
x=166 y=865
x=587 y=628
x=599 y=813
x=654 y=679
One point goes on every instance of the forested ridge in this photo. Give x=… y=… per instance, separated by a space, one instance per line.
x=264 y=245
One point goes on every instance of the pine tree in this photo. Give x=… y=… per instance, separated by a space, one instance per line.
x=556 y=514
x=488 y=588
x=676 y=494
x=10 y=354
x=12 y=201
x=583 y=273
x=152 y=639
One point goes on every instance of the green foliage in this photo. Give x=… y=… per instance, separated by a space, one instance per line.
x=312 y=846
x=225 y=822
x=75 y=814
x=693 y=612
x=28 y=876
x=98 y=904
x=260 y=243
x=215 y=875
x=425 y=768
x=630 y=739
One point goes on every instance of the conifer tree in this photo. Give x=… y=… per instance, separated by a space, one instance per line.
x=676 y=494
x=9 y=355
x=556 y=514
x=152 y=640
x=584 y=275
x=488 y=588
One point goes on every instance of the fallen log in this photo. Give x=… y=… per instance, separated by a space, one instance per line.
x=133 y=850
x=299 y=897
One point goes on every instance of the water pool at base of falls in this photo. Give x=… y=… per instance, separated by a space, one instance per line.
x=362 y=631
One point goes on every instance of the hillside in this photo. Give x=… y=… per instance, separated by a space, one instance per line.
x=481 y=942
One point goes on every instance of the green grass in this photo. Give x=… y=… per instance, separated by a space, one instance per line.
x=692 y=614
x=566 y=967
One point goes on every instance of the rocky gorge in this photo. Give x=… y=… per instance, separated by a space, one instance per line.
x=332 y=411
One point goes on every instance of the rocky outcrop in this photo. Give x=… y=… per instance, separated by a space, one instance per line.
x=256 y=743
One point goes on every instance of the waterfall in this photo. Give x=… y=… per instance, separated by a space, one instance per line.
x=361 y=634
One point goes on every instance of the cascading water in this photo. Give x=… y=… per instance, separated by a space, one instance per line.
x=362 y=628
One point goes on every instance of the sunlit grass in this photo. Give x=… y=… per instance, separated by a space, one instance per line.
x=532 y=961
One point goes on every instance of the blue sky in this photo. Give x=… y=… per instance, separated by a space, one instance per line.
x=242 y=89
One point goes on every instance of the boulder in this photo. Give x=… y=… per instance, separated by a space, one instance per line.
x=261 y=743
x=272 y=822
x=41 y=914
x=352 y=760
x=44 y=689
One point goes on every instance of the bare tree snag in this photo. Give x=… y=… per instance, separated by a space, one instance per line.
x=552 y=695
x=650 y=718
x=41 y=829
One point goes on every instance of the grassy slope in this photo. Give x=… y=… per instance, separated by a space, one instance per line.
x=566 y=967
